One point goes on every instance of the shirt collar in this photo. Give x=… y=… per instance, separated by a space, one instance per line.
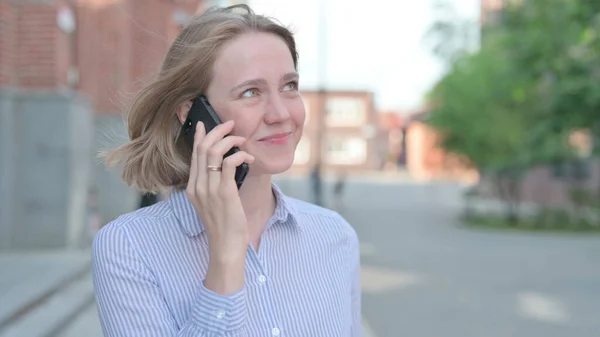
x=192 y=226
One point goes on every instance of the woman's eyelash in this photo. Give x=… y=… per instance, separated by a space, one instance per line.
x=255 y=91
x=251 y=90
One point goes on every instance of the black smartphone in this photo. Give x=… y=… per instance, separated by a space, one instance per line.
x=202 y=111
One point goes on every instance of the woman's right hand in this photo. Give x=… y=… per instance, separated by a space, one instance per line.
x=214 y=195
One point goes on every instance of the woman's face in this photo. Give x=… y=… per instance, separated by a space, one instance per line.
x=255 y=85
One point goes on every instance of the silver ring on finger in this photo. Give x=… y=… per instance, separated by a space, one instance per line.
x=215 y=168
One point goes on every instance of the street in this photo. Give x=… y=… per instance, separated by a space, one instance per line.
x=425 y=275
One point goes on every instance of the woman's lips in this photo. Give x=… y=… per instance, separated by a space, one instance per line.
x=277 y=139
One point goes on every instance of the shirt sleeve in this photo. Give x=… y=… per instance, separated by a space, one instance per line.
x=356 y=330
x=130 y=302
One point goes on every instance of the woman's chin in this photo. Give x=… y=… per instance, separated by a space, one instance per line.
x=271 y=166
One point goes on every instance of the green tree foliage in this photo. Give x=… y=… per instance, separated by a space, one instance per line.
x=511 y=104
x=535 y=77
x=558 y=43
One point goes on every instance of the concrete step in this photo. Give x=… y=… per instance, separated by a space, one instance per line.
x=85 y=325
x=54 y=313
x=27 y=279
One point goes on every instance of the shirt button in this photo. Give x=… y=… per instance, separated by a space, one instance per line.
x=262 y=279
x=275 y=332
x=220 y=314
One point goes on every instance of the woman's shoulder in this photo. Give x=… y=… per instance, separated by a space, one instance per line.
x=320 y=219
x=138 y=225
x=145 y=216
x=301 y=207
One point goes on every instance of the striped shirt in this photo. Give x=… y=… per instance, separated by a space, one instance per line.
x=149 y=265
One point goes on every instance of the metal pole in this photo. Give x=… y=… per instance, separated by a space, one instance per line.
x=322 y=68
x=322 y=98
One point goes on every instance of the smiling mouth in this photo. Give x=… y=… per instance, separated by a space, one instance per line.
x=279 y=138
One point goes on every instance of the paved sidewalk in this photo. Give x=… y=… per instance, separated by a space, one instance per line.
x=370 y=177
x=29 y=279
x=85 y=325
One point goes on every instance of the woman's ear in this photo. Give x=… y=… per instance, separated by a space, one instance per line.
x=183 y=110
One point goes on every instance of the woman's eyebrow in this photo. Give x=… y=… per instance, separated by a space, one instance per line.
x=290 y=76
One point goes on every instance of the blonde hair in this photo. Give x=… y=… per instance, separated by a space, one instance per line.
x=155 y=158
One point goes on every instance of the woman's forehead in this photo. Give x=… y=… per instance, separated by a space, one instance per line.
x=253 y=56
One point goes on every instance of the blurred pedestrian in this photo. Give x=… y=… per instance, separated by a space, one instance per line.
x=316 y=184
x=338 y=190
x=216 y=259
x=94 y=220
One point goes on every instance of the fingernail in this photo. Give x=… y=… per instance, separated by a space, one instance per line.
x=198 y=126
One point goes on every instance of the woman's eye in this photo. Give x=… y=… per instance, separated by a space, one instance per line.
x=250 y=93
x=291 y=86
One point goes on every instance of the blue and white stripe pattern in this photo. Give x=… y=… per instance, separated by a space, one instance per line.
x=149 y=266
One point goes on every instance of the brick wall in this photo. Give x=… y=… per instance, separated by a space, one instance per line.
x=104 y=54
x=427 y=161
x=7 y=42
x=121 y=46
x=34 y=52
x=117 y=45
x=149 y=39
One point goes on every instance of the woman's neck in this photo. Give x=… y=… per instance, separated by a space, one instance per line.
x=257 y=198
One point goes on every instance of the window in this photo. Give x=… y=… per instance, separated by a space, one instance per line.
x=345 y=111
x=346 y=151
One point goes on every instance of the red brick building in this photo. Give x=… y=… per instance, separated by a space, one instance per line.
x=105 y=49
x=348 y=135
x=412 y=145
x=101 y=48
x=426 y=160
x=392 y=127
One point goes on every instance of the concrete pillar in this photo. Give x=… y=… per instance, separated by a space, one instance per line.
x=7 y=160
x=46 y=169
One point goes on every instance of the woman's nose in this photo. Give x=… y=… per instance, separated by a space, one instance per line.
x=277 y=111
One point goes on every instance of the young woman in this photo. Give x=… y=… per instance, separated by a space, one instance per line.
x=212 y=260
